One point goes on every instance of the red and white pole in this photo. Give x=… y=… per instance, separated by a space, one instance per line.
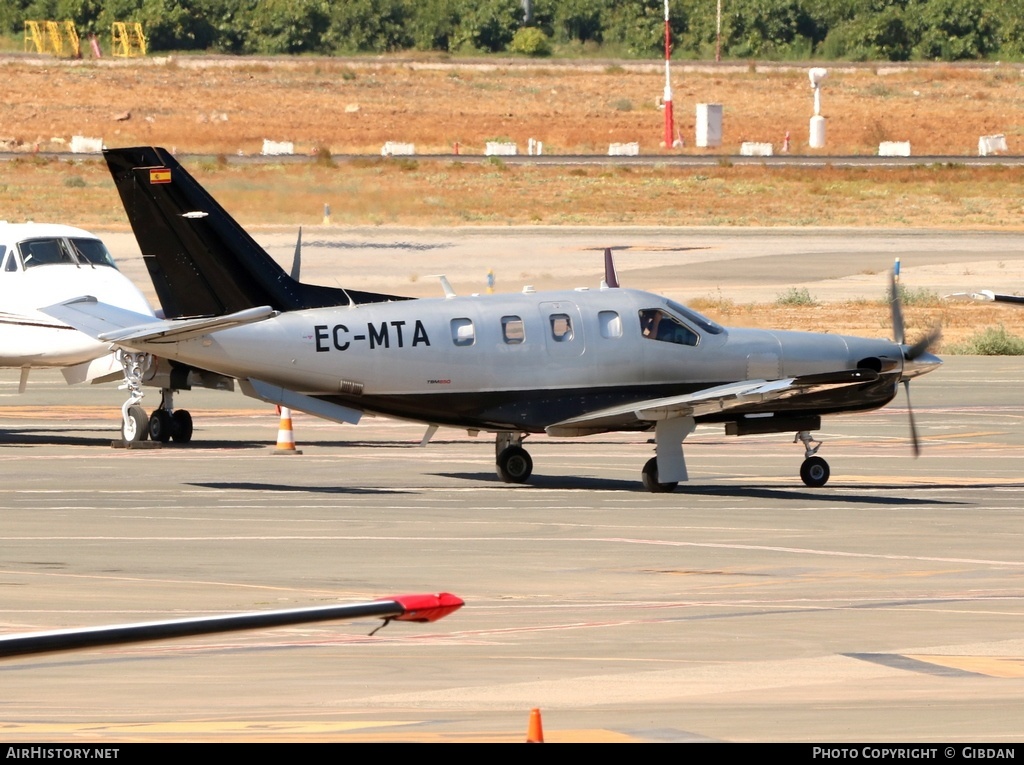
x=670 y=131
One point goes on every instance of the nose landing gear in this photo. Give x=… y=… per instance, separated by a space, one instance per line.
x=814 y=471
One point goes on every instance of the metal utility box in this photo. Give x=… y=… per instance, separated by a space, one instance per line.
x=709 y=126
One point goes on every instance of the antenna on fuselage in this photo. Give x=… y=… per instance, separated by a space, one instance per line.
x=611 y=279
x=297 y=258
x=449 y=293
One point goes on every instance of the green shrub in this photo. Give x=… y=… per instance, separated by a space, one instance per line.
x=795 y=296
x=916 y=295
x=530 y=41
x=993 y=341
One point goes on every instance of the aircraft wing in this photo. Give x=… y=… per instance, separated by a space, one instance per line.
x=117 y=325
x=987 y=295
x=410 y=608
x=708 y=401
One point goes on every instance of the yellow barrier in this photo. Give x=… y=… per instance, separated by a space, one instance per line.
x=128 y=39
x=50 y=37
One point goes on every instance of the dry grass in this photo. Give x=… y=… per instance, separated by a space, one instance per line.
x=433 y=193
x=226 y=106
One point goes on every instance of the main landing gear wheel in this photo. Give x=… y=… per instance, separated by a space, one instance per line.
x=514 y=465
x=181 y=426
x=160 y=425
x=650 y=478
x=814 y=472
x=164 y=426
x=135 y=426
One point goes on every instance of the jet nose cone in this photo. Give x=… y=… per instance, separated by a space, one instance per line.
x=920 y=365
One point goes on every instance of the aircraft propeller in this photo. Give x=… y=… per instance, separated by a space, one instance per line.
x=916 y=358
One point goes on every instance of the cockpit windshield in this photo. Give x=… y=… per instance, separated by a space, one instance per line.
x=72 y=251
x=699 y=319
x=92 y=251
x=676 y=325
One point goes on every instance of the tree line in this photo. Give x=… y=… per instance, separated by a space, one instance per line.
x=855 y=30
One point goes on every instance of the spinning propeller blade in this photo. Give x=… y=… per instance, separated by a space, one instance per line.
x=916 y=358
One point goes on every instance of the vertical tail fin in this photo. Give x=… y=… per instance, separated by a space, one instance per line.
x=201 y=261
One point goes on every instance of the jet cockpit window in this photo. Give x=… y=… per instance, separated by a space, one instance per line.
x=512 y=330
x=660 y=325
x=463 y=332
x=92 y=251
x=706 y=324
x=561 y=327
x=44 y=252
x=611 y=324
x=10 y=263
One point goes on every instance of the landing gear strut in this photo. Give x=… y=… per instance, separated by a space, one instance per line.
x=134 y=427
x=165 y=423
x=814 y=471
x=513 y=462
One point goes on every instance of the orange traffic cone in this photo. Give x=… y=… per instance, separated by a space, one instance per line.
x=535 y=731
x=285 y=436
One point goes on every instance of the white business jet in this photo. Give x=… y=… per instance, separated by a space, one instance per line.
x=43 y=261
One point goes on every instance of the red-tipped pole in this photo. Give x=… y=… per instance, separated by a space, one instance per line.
x=670 y=132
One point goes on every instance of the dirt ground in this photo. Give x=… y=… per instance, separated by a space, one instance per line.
x=229 y=105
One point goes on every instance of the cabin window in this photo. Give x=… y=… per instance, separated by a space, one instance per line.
x=43 y=252
x=463 y=332
x=512 y=330
x=561 y=327
x=92 y=251
x=655 y=324
x=611 y=324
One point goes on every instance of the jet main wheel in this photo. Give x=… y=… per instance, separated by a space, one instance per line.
x=160 y=425
x=650 y=478
x=136 y=428
x=814 y=471
x=181 y=426
x=514 y=465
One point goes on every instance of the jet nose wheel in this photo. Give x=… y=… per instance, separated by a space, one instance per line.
x=135 y=426
x=514 y=465
x=650 y=478
x=814 y=471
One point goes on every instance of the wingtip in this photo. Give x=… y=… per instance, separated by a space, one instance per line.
x=427 y=607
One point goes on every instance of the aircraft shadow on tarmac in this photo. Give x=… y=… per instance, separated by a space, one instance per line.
x=65 y=436
x=736 y=492
x=253 y=486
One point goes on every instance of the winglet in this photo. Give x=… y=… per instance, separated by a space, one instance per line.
x=427 y=608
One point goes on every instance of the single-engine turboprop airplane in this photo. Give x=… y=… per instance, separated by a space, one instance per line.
x=567 y=363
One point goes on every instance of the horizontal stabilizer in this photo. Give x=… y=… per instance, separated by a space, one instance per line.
x=117 y=325
x=710 y=401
